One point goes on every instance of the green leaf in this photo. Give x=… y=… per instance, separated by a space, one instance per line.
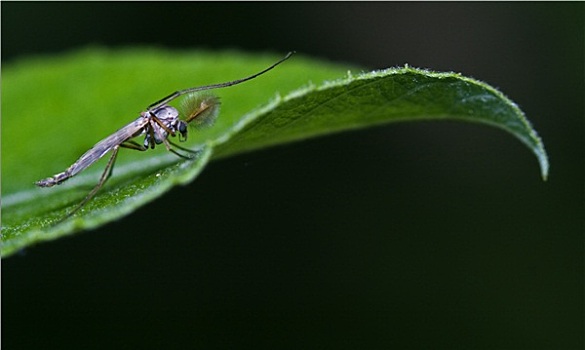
x=55 y=108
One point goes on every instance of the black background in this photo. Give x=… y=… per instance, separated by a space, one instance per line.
x=423 y=235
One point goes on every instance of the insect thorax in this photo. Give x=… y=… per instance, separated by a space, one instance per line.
x=167 y=116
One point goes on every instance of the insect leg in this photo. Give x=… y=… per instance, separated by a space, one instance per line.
x=133 y=145
x=105 y=176
x=193 y=152
x=152 y=129
x=169 y=148
x=151 y=138
x=183 y=148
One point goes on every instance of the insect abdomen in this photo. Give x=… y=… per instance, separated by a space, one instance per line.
x=53 y=180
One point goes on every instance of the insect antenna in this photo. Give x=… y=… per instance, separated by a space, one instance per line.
x=176 y=94
x=200 y=109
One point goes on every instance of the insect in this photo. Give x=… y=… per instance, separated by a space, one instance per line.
x=157 y=123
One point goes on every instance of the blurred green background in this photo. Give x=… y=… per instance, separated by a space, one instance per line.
x=425 y=235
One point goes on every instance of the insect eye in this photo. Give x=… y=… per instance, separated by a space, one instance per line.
x=182 y=127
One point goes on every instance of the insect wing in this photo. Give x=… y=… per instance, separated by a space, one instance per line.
x=101 y=148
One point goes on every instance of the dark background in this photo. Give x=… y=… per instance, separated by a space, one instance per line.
x=424 y=235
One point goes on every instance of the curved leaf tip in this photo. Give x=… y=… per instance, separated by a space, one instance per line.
x=383 y=96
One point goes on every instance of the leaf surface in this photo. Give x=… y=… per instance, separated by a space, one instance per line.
x=54 y=109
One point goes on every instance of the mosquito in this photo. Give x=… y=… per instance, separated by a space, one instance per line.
x=157 y=123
